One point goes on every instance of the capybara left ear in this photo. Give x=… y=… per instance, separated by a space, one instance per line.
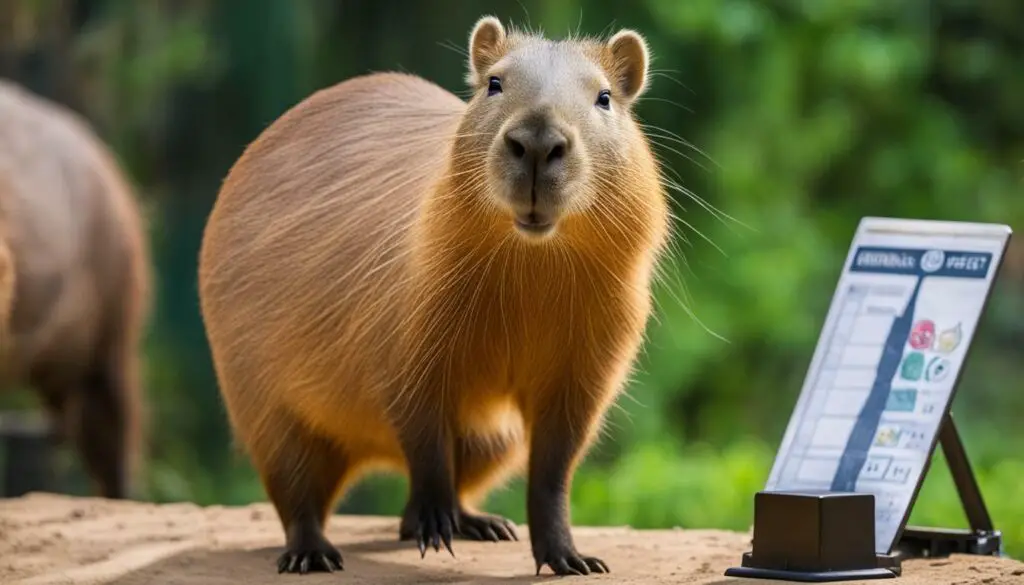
x=629 y=59
x=486 y=46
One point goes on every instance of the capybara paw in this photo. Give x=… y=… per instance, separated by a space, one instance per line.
x=320 y=557
x=564 y=560
x=486 y=527
x=431 y=524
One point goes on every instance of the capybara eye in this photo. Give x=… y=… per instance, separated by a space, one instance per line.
x=604 y=99
x=494 y=86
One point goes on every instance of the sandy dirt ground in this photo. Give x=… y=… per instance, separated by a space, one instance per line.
x=50 y=540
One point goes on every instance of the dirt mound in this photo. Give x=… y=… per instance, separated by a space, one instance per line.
x=50 y=540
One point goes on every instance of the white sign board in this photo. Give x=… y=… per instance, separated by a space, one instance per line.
x=883 y=373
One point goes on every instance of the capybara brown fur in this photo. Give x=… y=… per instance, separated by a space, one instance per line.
x=394 y=277
x=74 y=280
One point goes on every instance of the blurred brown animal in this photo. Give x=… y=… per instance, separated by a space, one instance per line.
x=392 y=277
x=74 y=282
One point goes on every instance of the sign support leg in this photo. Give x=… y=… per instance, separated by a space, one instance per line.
x=982 y=538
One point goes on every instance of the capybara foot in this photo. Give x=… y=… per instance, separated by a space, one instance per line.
x=310 y=554
x=430 y=524
x=561 y=556
x=486 y=527
x=470 y=527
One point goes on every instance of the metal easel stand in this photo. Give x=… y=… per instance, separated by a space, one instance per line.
x=982 y=538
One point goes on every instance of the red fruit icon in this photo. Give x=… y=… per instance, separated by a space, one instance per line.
x=922 y=335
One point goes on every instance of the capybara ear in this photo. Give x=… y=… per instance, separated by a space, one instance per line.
x=629 y=62
x=486 y=46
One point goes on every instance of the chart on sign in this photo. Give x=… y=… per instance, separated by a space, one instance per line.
x=883 y=372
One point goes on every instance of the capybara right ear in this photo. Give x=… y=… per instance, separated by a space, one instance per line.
x=486 y=46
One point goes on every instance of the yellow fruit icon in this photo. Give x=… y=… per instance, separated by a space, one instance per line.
x=887 y=436
x=949 y=339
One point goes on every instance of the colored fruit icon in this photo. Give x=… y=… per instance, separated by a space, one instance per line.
x=922 y=334
x=887 y=436
x=901 y=400
x=913 y=366
x=949 y=339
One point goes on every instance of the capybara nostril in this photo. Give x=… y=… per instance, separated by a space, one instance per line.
x=514 y=145
x=557 y=151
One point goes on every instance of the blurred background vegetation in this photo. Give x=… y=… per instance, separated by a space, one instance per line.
x=812 y=114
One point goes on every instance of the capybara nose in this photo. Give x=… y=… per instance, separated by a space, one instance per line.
x=536 y=148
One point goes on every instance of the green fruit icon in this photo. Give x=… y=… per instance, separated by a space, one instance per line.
x=913 y=366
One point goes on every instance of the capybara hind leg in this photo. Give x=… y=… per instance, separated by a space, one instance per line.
x=93 y=411
x=102 y=430
x=54 y=398
x=478 y=466
x=302 y=475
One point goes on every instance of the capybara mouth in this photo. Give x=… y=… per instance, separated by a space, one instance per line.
x=534 y=224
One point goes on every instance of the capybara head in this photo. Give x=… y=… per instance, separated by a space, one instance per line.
x=546 y=118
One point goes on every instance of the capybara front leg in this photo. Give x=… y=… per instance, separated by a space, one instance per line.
x=560 y=432
x=433 y=507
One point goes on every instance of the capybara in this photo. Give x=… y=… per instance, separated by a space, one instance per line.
x=74 y=283
x=394 y=277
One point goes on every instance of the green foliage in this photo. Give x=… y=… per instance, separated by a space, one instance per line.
x=808 y=115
